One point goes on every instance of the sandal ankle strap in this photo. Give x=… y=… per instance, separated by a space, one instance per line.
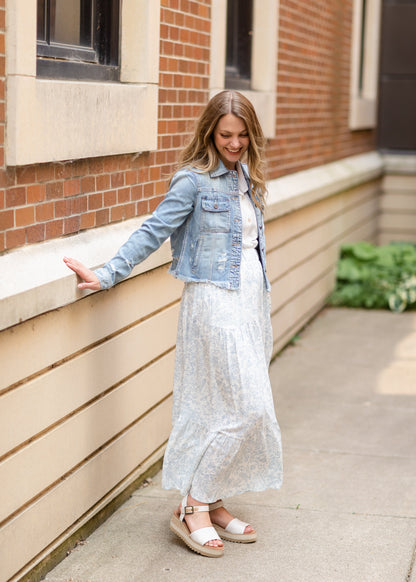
x=190 y=509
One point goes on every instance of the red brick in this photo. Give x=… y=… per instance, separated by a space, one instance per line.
x=6 y=219
x=54 y=229
x=45 y=172
x=131 y=177
x=102 y=217
x=123 y=195
x=72 y=187
x=35 y=233
x=117 y=180
x=79 y=204
x=15 y=197
x=35 y=193
x=87 y=220
x=25 y=216
x=102 y=182
x=154 y=202
x=87 y=184
x=26 y=175
x=7 y=178
x=72 y=224
x=95 y=201
x=110 y=198
x=63 y=170
x=54 y=190
x=130 y=210
x=141 y=207
x=80 y=168
x=110 y=164
x=96 y=165
x=62 y=208
x=15 y=238
x=136 y=192
x=44 y=212
x=116 y=213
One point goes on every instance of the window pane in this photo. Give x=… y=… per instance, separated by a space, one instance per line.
x=238 y=51
x=41 y=20
x=70 y=22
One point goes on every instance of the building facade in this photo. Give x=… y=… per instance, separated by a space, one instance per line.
x=90 y=132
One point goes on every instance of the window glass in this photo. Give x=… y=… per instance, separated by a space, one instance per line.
x=78 y=39
x=70 y=22
x=238 y=51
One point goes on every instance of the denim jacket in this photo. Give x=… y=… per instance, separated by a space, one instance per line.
x=201 y=214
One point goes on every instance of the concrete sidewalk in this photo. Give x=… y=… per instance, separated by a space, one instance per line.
x=345 y=395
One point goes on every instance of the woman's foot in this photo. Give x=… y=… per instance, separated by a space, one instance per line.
x=229 y=527
x=222 y=517
x=198 y=520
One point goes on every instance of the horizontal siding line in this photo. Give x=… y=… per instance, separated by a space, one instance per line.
x=333 y=242
x=86 y=348
x=84 y=461
x=367 y=198
x=297 y=326
x=322 y=274
x=116 y=491
x=397 y=211
x=301 y=291
x=391 y=230
x=85 y=405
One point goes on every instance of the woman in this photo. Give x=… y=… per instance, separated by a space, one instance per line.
x=225 y=438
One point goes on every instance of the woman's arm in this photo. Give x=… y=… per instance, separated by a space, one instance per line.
x=168 y=216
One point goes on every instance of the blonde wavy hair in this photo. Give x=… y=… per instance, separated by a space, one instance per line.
x=202 y=155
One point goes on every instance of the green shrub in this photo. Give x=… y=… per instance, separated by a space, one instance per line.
x=376 y=276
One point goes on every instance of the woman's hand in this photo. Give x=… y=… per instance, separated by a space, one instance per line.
x=90 y=280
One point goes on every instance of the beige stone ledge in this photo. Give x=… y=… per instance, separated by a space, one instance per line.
x=35 y=279
x=97 y=119
x=400 y=163
x=292 y=192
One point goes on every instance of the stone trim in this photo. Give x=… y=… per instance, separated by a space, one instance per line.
x=38 y=281
x=49 y=120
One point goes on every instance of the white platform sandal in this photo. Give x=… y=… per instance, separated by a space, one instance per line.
x=196 y=539
x=234 y=530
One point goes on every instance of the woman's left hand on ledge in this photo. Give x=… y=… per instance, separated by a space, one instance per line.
x=89 y=278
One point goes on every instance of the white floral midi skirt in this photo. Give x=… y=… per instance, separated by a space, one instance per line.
x=225 y=438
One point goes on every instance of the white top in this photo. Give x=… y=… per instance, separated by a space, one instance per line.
x=248 y=215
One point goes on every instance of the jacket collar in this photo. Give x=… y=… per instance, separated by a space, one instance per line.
x=221 y=169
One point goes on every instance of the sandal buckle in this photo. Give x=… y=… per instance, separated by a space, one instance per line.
x=189 y=509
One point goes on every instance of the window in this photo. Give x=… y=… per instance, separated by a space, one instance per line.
x=364 y=63
x=50 y=118
x=238 y=51
x=244 y=53
x=78 y=39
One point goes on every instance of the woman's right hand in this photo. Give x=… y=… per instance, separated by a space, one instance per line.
x=90 y=279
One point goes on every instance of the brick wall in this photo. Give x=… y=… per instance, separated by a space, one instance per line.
x=313 y=87
x=47 y=201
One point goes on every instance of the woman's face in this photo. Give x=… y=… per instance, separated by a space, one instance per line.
x=231 y=139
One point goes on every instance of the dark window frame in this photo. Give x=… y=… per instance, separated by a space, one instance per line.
x=239 y=44
x=99 y=61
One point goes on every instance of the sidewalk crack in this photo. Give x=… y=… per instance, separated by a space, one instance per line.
x=411 y=566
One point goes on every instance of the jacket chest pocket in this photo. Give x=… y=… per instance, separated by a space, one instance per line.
x=215 y=213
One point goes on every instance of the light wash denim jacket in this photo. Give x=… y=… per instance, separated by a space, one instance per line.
x=201 y=214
